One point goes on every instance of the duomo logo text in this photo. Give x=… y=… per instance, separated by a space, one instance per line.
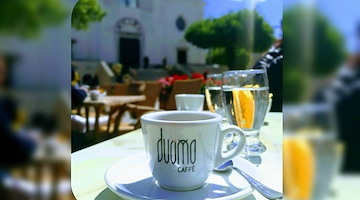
x=179 y=152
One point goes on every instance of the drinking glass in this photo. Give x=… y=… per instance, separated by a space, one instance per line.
x=213 y=94
x=310 y=140
x=245 y=95
x=215 y=105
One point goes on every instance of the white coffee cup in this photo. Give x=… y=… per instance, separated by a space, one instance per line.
x=193 y=102
x=94 y=94
x=183 y=147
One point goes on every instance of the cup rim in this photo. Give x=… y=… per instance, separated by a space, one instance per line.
x=95 y=91
x=189 y=95
x=246 y=71
x=214 y=75
x=149 y=117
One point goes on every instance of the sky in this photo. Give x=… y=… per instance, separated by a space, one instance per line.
x=342 y=14
x=271 y=10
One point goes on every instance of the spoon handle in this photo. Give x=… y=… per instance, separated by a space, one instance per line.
x=261 y=188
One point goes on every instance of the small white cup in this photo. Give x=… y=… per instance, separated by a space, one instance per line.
x=183 y=147
x=190 y=102
x=94 y=95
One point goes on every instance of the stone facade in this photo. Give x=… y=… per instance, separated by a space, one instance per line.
x=135 y=29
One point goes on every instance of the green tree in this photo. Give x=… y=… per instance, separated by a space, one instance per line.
x=312 y=48
x=311 y=42
x=218 y=55
x=85 y=12
x=232 y=34
x=27 y=18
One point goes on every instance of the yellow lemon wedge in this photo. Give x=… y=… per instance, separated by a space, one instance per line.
x=299 y=167
x=244 y=107
x=208 y=100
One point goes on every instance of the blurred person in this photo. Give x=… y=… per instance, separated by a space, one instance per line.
x=117 y=69
x=3 y=72
x=6 y=63
x=78 y=123
x=272 y=62
x=87 y=79
x=78 y=94
x=344 y=93
x=164 y=62
x=75 y=78
x=92 y=82
x=16 y=146
x=146 y=62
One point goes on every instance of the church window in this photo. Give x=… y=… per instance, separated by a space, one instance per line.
x=180 y=23
x=130 y=3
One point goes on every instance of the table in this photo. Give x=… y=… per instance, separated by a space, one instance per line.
x=345 y=186
x=88 y=166
x=49 y=166
x=113 y=101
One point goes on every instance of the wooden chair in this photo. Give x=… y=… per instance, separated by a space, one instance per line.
x=45 y=168
x=151 y=91
x=91 y=125
x=123 y=89
x=191 y=86
x=99 y=125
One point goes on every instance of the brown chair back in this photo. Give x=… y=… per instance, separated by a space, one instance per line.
x=152 y=91
x=191 y=86
x=120 y=89
x=123 y=89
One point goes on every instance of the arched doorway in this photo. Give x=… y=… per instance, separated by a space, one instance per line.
x=181 y=52
x=130 y=43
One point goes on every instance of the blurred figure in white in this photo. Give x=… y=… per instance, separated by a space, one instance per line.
x=344 y=93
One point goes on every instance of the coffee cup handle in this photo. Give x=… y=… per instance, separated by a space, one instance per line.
x=223 y=157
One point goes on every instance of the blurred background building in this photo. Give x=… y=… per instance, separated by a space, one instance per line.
x=170 y=36
x=135 y=29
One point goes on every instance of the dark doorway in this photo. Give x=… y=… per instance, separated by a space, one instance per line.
x=129 y=53
x=181 y=56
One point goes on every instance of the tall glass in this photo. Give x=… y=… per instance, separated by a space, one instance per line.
x=214 y=102
x=310 y=140
x=213 y=94
x=245 y=96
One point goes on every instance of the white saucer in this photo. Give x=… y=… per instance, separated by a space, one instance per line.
x=131 y=178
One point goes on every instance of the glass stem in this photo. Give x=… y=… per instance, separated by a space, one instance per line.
x=253 y=139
